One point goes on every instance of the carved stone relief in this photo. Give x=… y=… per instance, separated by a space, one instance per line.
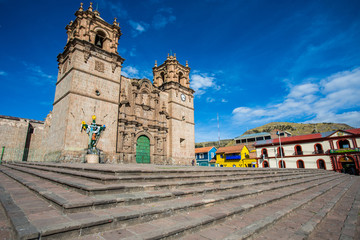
x=99 y=66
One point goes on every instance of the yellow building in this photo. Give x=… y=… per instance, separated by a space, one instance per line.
x=236 y=156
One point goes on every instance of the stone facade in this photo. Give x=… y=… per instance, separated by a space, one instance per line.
x=90 y=83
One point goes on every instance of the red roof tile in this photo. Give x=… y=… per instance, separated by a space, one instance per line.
x=354 y=131
x=203 y=149
x=231 y=149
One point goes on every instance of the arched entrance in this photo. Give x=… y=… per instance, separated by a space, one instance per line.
x=265 y=164
x=348 y=165
x=143 y=149
x=300 y=164
x=321 y=164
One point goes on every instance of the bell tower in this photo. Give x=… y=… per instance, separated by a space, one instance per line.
x=88 y=84
x=173 y=78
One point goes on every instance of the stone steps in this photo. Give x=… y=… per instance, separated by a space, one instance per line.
x=284 y=219
x=149 y=170
x=40 y=203
x=73 y=201
x=106 y=179
x=177 y=225
x=93 y=188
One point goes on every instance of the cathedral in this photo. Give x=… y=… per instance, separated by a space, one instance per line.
x=146 y=122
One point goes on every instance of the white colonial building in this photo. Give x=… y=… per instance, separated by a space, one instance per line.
x=335 y=150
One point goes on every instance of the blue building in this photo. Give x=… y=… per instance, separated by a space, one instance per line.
x=204 y=155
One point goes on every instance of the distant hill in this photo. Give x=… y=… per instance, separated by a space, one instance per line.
x=223 y=143
x=299 y=128
x=294 y=128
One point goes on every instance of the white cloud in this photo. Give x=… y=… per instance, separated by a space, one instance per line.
x=202 y=81
x=210 y=99
x=332 y=99
x=2 y=73
x=138 y=27
x=130 y=72
x=224 y=100
x=37 y=75
x=163 y=17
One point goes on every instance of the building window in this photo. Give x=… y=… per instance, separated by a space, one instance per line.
x=318 y=149
x=182 y=142
x=180 y=76
x=264 y=153
x=321 y=164
x=282 y=164
x=344 y=144
x=300 y=164
x=298 y=150
x=265 y=164
x=282 y=153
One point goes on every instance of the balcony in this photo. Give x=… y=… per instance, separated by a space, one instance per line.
x=345 y=150
x=234 y=157
x=318 y=152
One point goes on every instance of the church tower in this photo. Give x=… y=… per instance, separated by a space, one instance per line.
x=173 y=78
x=88 y=84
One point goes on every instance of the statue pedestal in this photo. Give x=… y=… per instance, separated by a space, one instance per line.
x=92 y=158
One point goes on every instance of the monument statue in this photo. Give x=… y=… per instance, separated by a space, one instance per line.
x=93 y=130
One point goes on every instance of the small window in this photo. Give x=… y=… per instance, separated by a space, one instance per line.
x=344 y=144
x=264 y=153
x=280 y=154
x=319 y=149
x=182 y=143
x=298 y=150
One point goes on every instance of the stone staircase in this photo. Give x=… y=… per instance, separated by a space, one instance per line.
x=84 y=201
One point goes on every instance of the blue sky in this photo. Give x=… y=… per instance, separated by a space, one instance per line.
x=252 y=62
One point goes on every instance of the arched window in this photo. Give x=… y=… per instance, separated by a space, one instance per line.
x=180 y=76
x=300 y=164
x=282 y=164
x=318 y=149
x=265 y=164
x=264 y=153
x=162 y=74
x=298 y=150
x=99 y=39
x=321 y=164
x=344 y=144
x=282 y=154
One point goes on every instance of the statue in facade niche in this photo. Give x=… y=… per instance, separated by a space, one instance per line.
x=94 y=131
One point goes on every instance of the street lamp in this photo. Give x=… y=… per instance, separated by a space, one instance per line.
x=281 y=152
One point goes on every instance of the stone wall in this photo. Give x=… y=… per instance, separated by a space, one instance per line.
x=21 y=139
